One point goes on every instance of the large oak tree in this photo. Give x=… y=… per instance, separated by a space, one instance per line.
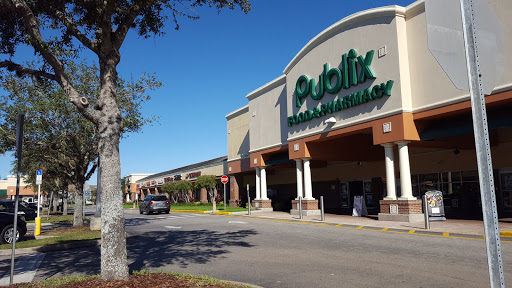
x=56 y=138
x=101 y=27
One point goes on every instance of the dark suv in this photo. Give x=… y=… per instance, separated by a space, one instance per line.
x=23 y=209
x=155 y=203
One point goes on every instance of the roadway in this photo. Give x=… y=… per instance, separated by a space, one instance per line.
x=283 y=254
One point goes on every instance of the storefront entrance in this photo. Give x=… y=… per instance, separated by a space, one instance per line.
x=370 y=189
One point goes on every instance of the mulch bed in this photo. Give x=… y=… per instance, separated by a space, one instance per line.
x=153 y=280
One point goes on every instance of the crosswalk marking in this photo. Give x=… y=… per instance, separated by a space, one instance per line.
x=25 y=268
x=173 y=227
x=180 y=216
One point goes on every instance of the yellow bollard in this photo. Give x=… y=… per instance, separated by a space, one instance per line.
x=38 y=226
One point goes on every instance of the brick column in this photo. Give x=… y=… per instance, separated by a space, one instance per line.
x=234 y=191
x=401 y=210
x=204 y=196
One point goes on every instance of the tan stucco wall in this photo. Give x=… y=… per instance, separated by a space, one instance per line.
x=364 y=31
x=430 y=85
x=420 y=82
x=238 y=133
x=267 y=114
x=3 y=184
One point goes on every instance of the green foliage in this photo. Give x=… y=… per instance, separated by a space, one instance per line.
x=123 y=185
x=176 y=186
x=206 y=181
x=148 y=18
x=99 y=27
x=57 y=138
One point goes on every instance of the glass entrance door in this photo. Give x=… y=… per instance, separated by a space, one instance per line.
x=344 y=195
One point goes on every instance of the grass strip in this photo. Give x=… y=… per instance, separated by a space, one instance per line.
x=57 y=219
x=196 y=206
x=60 y=236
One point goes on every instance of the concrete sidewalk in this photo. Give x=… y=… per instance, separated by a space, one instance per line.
x=458 y=226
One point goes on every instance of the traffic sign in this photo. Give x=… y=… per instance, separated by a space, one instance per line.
x=224 y=179
x=39 y=177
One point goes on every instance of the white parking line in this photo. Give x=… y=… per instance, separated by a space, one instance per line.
x=173 y=227
x=237 y=222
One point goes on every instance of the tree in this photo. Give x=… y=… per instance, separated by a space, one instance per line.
x=56 y=137
x=177 y=190
x=210 y=183
x=101 y=28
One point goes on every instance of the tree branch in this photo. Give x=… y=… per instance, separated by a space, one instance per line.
x=14 y=67
x=124 y=27
x=73 y=30
x=32 y=26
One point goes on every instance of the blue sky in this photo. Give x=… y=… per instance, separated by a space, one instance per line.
x=207 y=68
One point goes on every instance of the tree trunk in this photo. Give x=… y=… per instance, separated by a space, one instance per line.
x=55 y=202
x=65 y=204
x=78 y=219
x=114 y=262
x=213 y=200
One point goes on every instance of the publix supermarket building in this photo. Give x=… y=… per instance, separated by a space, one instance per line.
x=364 y=109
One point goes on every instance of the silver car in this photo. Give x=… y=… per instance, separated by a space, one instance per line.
x=155 y=203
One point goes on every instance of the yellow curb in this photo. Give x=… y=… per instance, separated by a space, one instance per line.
x=411 y=232
x=194 y=211
x=446 y=234
x=506 y=233
x=224 y=213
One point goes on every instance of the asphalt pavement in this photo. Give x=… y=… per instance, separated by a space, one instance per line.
x=195 y=234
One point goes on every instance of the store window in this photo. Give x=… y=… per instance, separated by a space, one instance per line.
x=506 y=190
x=456 y=186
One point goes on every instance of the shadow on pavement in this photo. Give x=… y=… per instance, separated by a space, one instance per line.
x=153 y=249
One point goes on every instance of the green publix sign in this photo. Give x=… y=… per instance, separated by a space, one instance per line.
x=344 y=79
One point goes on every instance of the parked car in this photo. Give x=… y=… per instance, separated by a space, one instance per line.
x=155 y=203
x=23 y=209
x=32 y=205
x=7 y=227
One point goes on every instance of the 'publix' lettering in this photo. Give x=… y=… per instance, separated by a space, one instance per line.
x=343 y=79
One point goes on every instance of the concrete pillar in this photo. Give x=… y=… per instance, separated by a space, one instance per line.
x=450 y=184
x=308 y=190
x=390 y=172
x=258 y=183
x=298 y=164
x=405 y=171
x=263 y=179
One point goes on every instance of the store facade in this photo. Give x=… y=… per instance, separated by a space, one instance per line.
x=364 y=109
x=138 y=186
